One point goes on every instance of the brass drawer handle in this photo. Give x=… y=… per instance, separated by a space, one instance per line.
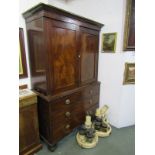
x=68 y=101
x=67 y=126
x=91 y=92
x=90 y=101
x=67 y=114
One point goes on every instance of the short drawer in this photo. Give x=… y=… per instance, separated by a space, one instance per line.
x=85 y=103
x=91 y=91
x=91 y=101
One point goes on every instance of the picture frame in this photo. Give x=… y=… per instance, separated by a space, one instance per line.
x=129 y=73
x=109 y=42
x=129 y=28
x=22 y=56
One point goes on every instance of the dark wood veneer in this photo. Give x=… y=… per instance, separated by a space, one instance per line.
x=29 y=142
x=64 y=65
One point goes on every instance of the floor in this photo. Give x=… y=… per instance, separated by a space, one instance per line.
x=120 y=142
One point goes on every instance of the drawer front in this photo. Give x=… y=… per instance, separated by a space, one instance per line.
x=85 y=103
x=93 y=109
x=63 y=130
x=78 y=118
x=82 y=108
x=90 y=91
x=89 y=102
x=64 y=103
x=61 y=118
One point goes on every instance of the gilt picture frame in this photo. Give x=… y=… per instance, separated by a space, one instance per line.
x=129 y=73
x=109 y=42
x=22 y=56
x=129 y=27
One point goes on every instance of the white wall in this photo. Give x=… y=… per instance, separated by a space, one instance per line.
x=120 y=98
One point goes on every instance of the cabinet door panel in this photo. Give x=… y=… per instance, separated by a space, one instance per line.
x=64 y=57
x=89 y=56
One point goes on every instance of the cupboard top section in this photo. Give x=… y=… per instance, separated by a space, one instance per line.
x=44 y=10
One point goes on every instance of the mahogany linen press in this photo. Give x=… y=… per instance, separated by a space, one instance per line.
x=63 y=54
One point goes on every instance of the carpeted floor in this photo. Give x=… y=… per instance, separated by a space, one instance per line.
x=120 y=142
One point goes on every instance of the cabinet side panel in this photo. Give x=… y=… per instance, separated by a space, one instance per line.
x=28 y=127
x=44 y=120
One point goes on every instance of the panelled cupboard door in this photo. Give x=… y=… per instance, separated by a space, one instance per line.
x=64 y=59
x=89 y=55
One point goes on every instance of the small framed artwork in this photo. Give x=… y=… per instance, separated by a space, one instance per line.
x=129 y=30
x=22 y=56
x=109 y=42
x=129 y=73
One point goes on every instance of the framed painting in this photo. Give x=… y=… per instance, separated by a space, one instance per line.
x=22 y=56
x=129 y=73
x=109 y=42
x=129 y=30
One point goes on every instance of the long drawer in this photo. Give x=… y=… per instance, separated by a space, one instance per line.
x=87 y=97
x=64 y=103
